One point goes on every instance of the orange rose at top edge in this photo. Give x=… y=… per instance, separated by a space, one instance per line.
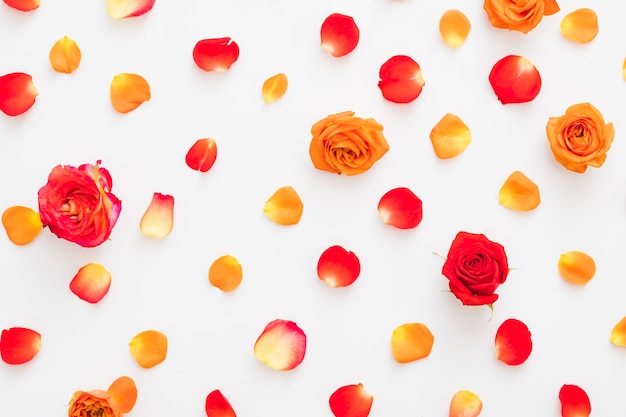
x=520 y=15
x=580 y=138
x=345 y=144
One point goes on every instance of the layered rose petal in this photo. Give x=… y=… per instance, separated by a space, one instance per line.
x=519 y=193
x=465 y=404
x=19 y=345
x=148 y=348
x=121 y=9
x=580 y=26
x=522 y=16
x=576 y=267
x=17 y=93
x=618 y=333
x=91 y=283
x=450 y=136
x=23 y=5
x=284 y=206
x=338 y=267
x=515 y=79
x=65 y=55
x=216 y=54
x=410 y=342
x=129 y=91
x=274 y=88
x=351 y=401
x=454 y=28
x=225 y=273
x=513 y=342
x=401 y=79
x=22 y=224
x=202 y=155
x=216 y=405
x=400 y=208
x=281 y=346
x=339 y=34
x=158 y=220
x=574 y=401
x=124 y=391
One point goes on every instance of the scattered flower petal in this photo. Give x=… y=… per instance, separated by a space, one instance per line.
x=281 y=346
x=519 y=193
x=450 y=136
x=91 y=283
x=121 y=9
x=401 y=79
x=515 y=79
x=618 y=333
x=410 y=342
x=19 y=345
x=148 y=348
x=65 y=55
x=216 y=405
x=23 y=5
x=124 y=391
x=580 y=26
x=513 y=342
x=576 y=267
x=274 y=88
x=17 y=93
x=225 y=273
x=129 y=91
x=337 y=267
x=624 y=69
x=158 y=220
x=574 y=401
x=465 y=404
x=215 y=54
x=351 y=401
x=400 y=208
x=284 y=206
x=339 y=34
x=202 y=155
x=22 y=224
x=454 y=28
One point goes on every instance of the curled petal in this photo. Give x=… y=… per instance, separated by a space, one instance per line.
x=202 y=155
x=519 y=193
x=91 y=283
x=454 y=28
x=410 y=342
x=225 y=273
x=450 y=136
x=576 y=267
x=351 y=401
x=121 y=9
x=22 y=224
x=129 y=91
x=580 y=26
x=281 y=346
x=401 y=79
x=515 y=79
x=400 y=208
x=216 y=405
x=513 y=342
x=23 y=5
x=215 y=54
x=337 y=267
x=618 y=333
x=17 y=93
x=65 y=55
x=339 y=34
x=465 y=404
x=284 y=206
x=124 y=391
x=158 y=220
x=574 y=401
x=19 y=345
x=274 y=88
x=148 y=348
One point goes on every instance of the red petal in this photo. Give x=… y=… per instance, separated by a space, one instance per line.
x=513 y=343
x=23 y=5
x=121 y=9
x=17 y=93
x=515 y=80
x=281 y=346
x=202 y=154
x=351 y=401
x=401 y=79
x=19 y=345
x=400 y=208
x=574 y=401
x=218 y=406
x=91 y=283
x=339 y=34
x=215 y=54
x=338 y=267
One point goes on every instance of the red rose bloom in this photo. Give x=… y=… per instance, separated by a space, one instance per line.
x=77 y=204
x=475 y=267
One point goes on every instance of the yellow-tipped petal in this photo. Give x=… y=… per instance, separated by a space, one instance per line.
x=450 y=136
x=580 y=26
x=618 y=334
x=65 y=55
x=624 y=69
x=158 y=220
x=465 y=404
x=225 y=273
x=22 y=224
x=576 y=267
x=410 y=342
x=128 y=91
x=454 y=27
x=148 y=348
x=284 y=206
x=274 y=88
x=519 y=193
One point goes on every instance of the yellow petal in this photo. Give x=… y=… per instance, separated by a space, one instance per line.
x=158 y=220
x=519 y=193
x=128 y=91
x=454 y=27
x=225 y=273
x=465 y=404
x=618 y=334
x=576 y=267
x=22 y=224
x=624 y=69
x=65 y=55
x=274 y=88
x=410 y=342
x=284 y=206
x=148 y=348
x=450 y=136
x=580 y=26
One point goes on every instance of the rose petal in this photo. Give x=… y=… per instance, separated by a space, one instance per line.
x=274 y=88
x=124 y=392
x=618 y=333
x=22 y=224
x=337 y=267
x=574 y=401
x=225 y=273
x=400 y=208
x=17 y=93
x=624 y=69
x=202 y=155
x=65 y=55
x=454 y=28
x=450 y=136
x=515 y=79
x=410 y=342
x=121 y=9
x=23 y=5
x=580 y=26
x=148 y=348
x=19 y=345
x=281 y=346
x=91 y=283
x=401 y=79
x=513 y=343
x=216 y=405
x=576 y=267
x=215 y=54
x=519 y=193
x=339 y=34
x=158 y=220
x=465 y=404
x=351 y=401
x=284 y=206
x=129 y=91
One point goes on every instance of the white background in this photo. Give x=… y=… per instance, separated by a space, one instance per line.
x=162 y=284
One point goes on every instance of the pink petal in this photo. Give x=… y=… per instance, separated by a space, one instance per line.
x=351 y=401
x=19 y=345
x=574 y=401
x=215 y=54
x=337 y=267
x=513 y=342
x=400 y=208
x=121 y=9
x=339 y=34
x=401 y=79
x=216 y=405
x=281 y=346
x=158 y=219
x=91 y=283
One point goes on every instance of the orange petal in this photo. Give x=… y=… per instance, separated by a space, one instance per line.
x=215 y=54
x=202 y=155
x=124 y=392
x=513 y=342
x=400 y=208
x=19 y=345
x=410 y=342
x=17 y=93
x=22 y=224
x=91 y=283
x=454 y=28
x=515 y=79
x=121 y=9
x=465 y=404
x=450 y=136
x=618 y=333
x=65 y=55
x=158 y=220
x=128 y=91
x=624 y=69
x=225 y=273
x=401 y=79
x=576 y=267
x=351 y=401
x=149 y=348
x=274 y=88
x=284 y=206
x=339 y=34
x=574 y=401
x=23 y=5
x=281 y=346
x=550 y=7
x=519 y=193
x=216 y=405
x=580 y=26
x=337 y=267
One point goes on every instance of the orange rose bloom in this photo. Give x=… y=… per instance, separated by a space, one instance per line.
x=520 y=15
x=345 y=144
x=93 y=403
x=580 y=138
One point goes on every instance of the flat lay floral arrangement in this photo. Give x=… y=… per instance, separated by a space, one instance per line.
x=336 y=209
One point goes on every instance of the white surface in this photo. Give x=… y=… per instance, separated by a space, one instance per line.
x=162 y=284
